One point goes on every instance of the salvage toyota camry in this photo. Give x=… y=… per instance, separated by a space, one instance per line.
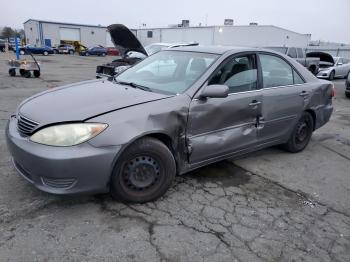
x=175 y=111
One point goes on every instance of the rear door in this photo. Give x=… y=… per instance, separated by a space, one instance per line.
x=219 y=127
x=283 y=96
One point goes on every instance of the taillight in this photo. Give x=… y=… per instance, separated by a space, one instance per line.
x=333 y=91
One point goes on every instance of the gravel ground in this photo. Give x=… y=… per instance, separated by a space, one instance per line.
x=268 y=206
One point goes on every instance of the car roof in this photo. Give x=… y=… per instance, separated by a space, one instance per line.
x=217 y=49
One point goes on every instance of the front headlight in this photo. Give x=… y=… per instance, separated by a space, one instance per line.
x=67 y=134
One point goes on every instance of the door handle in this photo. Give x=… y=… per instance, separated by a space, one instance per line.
x=254 y=103
x=304 y=93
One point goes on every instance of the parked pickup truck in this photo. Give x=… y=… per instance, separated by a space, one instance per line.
x=311 y=63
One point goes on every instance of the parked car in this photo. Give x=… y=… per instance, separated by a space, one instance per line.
x=96 y=50
x=173 y=112
x=2 y=45
x=311 y=63
x=131 y=51
x=66 y=49
x=43 y=50
x=112 y=51
x=338 y=68
x=347 y=86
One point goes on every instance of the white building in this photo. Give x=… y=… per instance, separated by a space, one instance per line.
x=38 y=32
x=238 y=35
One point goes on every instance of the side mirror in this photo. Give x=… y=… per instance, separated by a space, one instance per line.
x=215 y=91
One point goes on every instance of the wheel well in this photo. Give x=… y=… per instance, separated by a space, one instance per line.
x=163 y=138
x=168 y=142
x=313 y=114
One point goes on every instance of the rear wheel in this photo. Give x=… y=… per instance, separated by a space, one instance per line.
x=36 y=73
x=12 y=72
x=144 y=171
x=21 y=52
x=301 y=134
x=71 y=52
x=87 y=54
x=103 y=54
x=347 y=95
x=331 y=75
x=21 y=72
x=45 y=53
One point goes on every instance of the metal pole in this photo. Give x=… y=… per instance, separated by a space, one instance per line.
x=17 y=49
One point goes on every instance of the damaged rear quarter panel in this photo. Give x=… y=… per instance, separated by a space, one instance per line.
x=166 y=116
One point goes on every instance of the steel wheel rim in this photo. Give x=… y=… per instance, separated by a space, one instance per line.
x=302 y=132
x=140 y=173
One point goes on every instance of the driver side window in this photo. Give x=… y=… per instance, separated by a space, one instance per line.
x=238 y=73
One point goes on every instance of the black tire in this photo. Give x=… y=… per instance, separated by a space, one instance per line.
x=12 y=72
x=27 y=74
x=36 y=73
x=87 y=54
x=103 y=54
x=55 y=51
x=331 y=75
x=22 y=72
x=301 y=134
x=45 y=53
x=347 y=95
x=21 y=52
x=71 y=52
x=144 y=171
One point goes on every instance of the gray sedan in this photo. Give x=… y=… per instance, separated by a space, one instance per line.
x=175 y=111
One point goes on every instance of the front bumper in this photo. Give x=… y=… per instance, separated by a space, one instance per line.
x=61 y=170
x=323 y=74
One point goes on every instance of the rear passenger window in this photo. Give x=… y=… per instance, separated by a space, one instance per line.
x=297 y=79
x=276 y=72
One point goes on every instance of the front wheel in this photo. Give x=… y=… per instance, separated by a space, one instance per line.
x=22 y=52
x=301 y=134
x=331 y=75
x=71 y=52
x=45 y=53
x=347 y=95
x=144 y=171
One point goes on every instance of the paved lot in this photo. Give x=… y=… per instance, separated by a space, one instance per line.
x=270 y=205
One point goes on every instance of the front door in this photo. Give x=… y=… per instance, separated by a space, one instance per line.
x=219 y=127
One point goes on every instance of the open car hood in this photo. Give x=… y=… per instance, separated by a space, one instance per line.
x=324 y=57
x=124 y=40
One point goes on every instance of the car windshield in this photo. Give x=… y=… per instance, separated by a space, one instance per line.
x=168 y=72
x=152 y=49
x=282 y=50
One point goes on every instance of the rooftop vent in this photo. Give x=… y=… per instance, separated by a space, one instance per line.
x=228 y=21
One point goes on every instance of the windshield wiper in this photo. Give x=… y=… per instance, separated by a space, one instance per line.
x=134 y=85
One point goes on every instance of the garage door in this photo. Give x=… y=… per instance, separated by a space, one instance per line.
x=72 y=34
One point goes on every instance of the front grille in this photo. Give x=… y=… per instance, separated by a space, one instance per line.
x=62 y=183
x=25 y=125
